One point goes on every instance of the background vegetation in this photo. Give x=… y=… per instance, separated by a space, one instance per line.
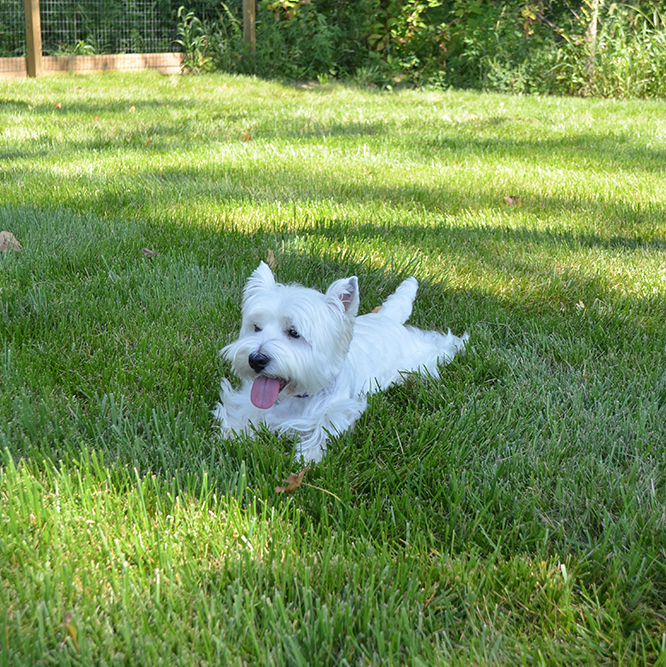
x=511 y=513
x=582 y=47
x=593 y=47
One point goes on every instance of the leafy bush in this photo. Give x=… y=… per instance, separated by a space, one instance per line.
x=297 y=39
x=514 y=46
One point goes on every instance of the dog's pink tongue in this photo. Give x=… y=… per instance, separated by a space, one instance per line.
x=264 y=392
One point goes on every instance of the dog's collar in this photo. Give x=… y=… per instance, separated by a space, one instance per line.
x=296 y=396
x=325 y=390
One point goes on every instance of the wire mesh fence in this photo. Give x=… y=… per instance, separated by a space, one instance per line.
x=90 y=27
x=12 y=28
x=87 y=27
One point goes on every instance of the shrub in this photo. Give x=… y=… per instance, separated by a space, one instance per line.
x=538 y=46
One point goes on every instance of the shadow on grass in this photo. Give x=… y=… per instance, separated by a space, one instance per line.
x=600 y=151
x=486 y=446
x=449 y=233
x=151 y=192
x=169 y=137
x=100 y=107
x=459 y=139
x=550 y=286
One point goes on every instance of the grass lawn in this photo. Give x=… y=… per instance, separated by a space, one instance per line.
x=512 y=513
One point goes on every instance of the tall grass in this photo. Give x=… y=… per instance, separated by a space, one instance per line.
x=511 y=512
x=630 y=57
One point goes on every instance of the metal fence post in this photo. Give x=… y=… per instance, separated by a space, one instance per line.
x=33 y=34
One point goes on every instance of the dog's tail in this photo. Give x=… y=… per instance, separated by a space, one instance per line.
x=398 y=306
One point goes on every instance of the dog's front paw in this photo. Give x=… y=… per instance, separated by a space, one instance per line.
x=220 y=414
x=311 y=448
x=310 y=455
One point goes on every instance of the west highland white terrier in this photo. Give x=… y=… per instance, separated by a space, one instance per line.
x=308 y=363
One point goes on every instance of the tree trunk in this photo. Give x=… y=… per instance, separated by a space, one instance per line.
x=591 y=41
x=249 y=18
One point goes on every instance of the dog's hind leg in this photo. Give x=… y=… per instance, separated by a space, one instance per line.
x=437 y=348
x=398 y=306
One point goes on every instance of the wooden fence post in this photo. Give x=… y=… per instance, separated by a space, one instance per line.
x=33 y=36
x=249 y=17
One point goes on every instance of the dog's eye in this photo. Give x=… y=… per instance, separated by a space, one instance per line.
x=293 y=333
x=257 y=329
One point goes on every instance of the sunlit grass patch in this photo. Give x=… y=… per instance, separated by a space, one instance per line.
x=513 y=511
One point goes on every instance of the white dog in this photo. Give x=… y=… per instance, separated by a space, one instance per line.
x=307 y=362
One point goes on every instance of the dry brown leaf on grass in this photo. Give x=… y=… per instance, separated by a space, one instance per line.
x=376 y=309
x=8 y=242
x=245 y=134
x=57 y=106
x=149 y=253
x=512 y=200
x=70 y=628
x=293 y=482
x=270 y=259
x=132 y=109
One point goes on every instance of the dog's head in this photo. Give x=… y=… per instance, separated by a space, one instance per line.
x=293 y=340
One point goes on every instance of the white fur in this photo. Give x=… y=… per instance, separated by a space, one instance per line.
x=336 y=360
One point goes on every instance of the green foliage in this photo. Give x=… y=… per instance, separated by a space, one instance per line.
x=194 y=42
x=496 y=47
x=630 y=56
x=295 y=39
x=81 y=48
x=298 y=40
x=229 y=53
x=512 y=46
x=409 y=38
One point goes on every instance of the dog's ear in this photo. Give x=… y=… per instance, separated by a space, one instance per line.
x=262 y=278
x=346 y=290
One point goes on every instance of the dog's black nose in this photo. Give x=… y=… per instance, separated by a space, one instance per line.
x=258 y=361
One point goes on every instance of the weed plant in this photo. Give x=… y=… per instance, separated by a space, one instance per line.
x=511 y=513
